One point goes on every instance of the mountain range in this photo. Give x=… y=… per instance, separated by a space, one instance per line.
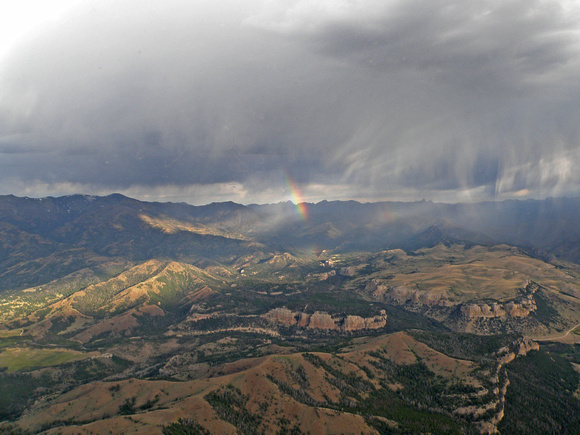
x=122 y=315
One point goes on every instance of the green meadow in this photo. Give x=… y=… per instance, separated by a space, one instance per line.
x=17 y=359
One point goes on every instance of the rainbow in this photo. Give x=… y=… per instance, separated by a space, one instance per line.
x=297 y=198
x=389 y=216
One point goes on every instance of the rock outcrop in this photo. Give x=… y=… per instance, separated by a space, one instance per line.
x=320 y=320
x=347 y=271
x=498 y=388
x=323 y=276
x=283 y=316
x=520 y=347
x=324 y=321
x=509 y=309
x=402 y=294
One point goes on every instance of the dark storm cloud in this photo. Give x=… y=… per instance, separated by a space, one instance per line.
x=364 y=99
x=478 y=81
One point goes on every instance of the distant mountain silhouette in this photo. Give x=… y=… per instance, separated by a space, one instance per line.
x=36 y=233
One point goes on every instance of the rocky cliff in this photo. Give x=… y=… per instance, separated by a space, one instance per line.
x=520 y=307
x=402 y=294
x=489 y=414
x=324 y=321
x=509 y=309
x=520 y=347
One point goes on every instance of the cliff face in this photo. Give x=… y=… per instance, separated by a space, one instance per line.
x=520 y=347
x=324 y=321
x=356 y=323
x=283 y=316
x=402 y=294
x=320 y=320
x=499 y=386
x=510 y=309
x=521 y=307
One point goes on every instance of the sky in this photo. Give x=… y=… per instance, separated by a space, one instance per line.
x=260 y=101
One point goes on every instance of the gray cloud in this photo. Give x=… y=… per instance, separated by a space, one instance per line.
x=353 y=99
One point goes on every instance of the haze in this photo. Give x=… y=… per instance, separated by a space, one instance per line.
x=241 y=100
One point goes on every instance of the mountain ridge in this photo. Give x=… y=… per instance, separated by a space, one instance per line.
x=548 y=225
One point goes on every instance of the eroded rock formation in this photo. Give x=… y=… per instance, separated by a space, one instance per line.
x=520 y=347
x=324 y=321
x=509 y=309
x=402 y=294
x=498 y=388
x=520 y=307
